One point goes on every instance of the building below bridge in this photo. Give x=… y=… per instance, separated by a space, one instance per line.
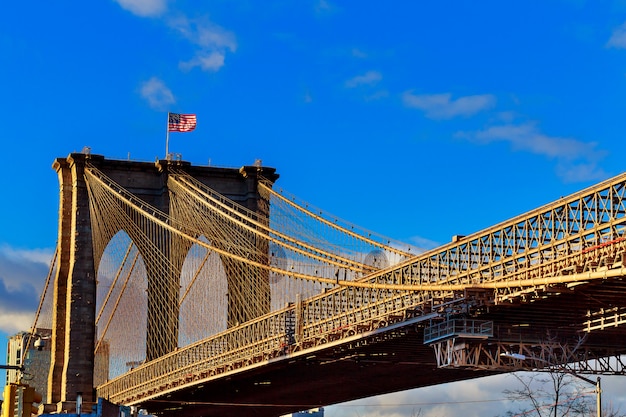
x=102 y=408
x=36 y=361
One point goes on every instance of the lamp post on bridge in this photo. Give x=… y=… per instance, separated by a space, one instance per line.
x=596 y=383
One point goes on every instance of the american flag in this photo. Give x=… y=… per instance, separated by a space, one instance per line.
x=181 y=122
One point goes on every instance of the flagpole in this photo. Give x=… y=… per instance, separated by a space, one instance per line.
x=167 y=137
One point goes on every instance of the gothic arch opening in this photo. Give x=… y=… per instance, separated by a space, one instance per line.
x=121 y=309
x=203 y=295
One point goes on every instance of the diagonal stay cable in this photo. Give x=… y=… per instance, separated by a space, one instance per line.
x=324 y=257
x=195 y=277
x=163 y=220
x=332 y=224
x=117 y=275
x=117 y=303
x=41 y=301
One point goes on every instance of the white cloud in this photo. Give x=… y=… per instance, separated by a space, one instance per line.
x=369 y=78
x=578 y=172
x=212 y=40
x=204 y=33
x=441 y=106
x=156 y=93
x=41 y=256
x=212 y=61
x=577 y=160
x=21 y=269
x=144 y=8
x=423 y=243
x=506 y=116
x=22 y=275
x=12 y=322
x=527 y=137
x=477 y=397
x=456 y=398
x=618 y=38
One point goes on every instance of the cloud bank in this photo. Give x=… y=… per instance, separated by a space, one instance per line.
x=369 y=78
x=22 y=275
x=442 y=106
x=157 y=94
x=144 y=8
x=618 y=38
x=212 y=42
x=576 y=160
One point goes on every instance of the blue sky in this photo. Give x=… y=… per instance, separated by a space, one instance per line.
x=418 y=120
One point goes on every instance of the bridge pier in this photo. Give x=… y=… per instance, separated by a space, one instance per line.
x=74 y=331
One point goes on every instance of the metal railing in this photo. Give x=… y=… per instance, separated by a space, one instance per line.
x=464 y=328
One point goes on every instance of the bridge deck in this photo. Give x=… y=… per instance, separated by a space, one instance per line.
x=551 y=276
x=306 y=380
x=383 y=362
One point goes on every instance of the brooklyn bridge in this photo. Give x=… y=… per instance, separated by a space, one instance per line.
x=205 y=291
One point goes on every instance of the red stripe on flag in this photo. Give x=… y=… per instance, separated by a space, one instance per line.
x=181 y=122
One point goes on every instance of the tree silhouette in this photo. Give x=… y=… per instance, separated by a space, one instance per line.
x=553 y=394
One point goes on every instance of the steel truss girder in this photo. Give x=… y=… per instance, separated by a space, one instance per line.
x=508 y=357
x=583 y=232
x=579 y=233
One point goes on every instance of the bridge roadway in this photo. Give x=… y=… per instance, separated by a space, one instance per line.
x=375 y=362
x=365 y=360
x=330 y=373
x=546 y=283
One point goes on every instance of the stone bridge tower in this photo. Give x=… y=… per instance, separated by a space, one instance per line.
x=74 y=332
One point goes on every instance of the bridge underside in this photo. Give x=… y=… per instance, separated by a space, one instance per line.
x=398 y=359
x=392 y=362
